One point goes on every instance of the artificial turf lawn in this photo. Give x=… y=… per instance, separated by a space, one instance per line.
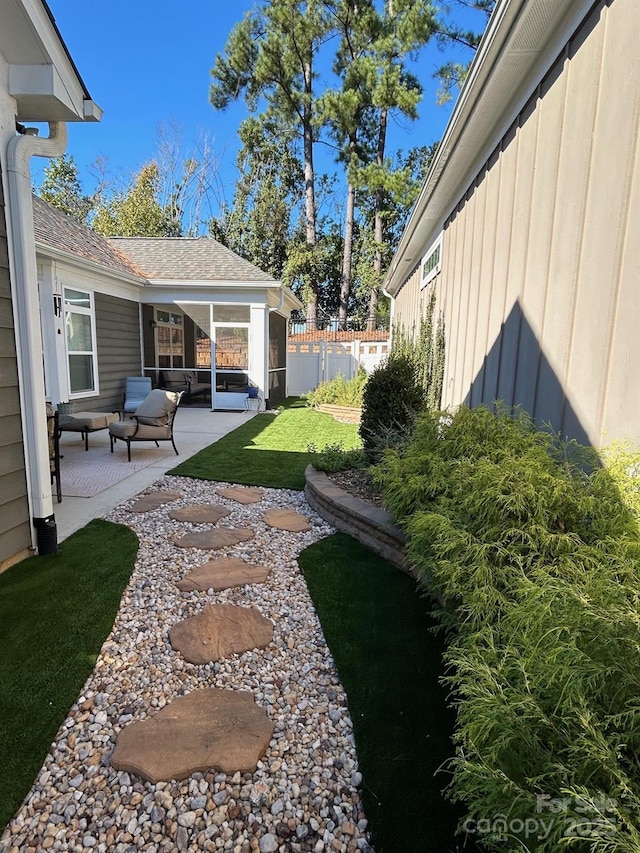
x=379 y=633
x=55 y=613
x=270 y=450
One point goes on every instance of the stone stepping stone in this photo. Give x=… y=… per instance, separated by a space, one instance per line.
x=242 y=494
x=223 y=574
x=210 y=540
x=287 y=519
x=207 y=729
x=147 y=503
x=221 y=630
x=200 y=514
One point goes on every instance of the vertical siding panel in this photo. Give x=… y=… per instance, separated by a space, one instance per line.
x=471 y=368
x=450 y=303
x=485 y=278
x=620 y=414
x=501 y=253
x=526 y=142
x=531 y=358
x=461 y=387
x=605 y=218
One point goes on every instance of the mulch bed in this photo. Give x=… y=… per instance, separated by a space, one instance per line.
x=357 y=482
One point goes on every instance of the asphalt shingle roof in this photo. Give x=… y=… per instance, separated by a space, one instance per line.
x=155 y=258
x=58 y=231
x=188 y=258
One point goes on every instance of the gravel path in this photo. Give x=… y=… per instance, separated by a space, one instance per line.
x=304 y=795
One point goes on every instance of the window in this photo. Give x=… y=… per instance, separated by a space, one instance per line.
x=431 y=264
x=170 y=339
x=80 y=339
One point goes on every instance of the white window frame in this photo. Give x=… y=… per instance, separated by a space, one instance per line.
x=169 y=324
x=91 y=313
x=431 y=263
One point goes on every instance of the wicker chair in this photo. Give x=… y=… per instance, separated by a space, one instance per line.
x=53 y=432
x=152 y=421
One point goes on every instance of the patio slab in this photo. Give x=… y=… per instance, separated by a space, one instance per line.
x=207 y=729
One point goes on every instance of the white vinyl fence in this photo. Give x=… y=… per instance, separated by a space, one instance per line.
x=311 y=362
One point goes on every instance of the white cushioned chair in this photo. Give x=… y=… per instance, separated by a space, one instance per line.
x=152 y=421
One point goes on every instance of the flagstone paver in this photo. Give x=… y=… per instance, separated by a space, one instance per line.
x=147 y=503
x=220 y=630
x=242 y=494
x=200 y=514
x=286 y=519
x=211 y=540
x=207 y=729
x=224 y=573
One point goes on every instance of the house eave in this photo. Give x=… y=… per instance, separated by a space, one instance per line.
x=44 y=252
x=522 y=39
x=42 y=77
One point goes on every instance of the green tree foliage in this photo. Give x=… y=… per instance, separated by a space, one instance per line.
x=258 y=225
x=271 y=54
x=453 y=74
x=426 y=351
x=136 y=211
x=61 y=188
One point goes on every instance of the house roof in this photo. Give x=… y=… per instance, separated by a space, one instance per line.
x=188 y=259
x=63 y=233
x=152 y=260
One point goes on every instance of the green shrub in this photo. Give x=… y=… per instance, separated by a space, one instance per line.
x=334 y=457
x=340 y=391
x=391 y=400
x=534 y=557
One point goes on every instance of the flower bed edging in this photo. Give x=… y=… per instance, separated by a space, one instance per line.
x=368 y=524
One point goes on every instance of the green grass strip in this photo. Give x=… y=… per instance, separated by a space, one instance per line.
x=55 y=613
x=269 y=450
x=390 y=662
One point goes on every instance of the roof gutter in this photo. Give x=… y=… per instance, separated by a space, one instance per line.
x=24 y=280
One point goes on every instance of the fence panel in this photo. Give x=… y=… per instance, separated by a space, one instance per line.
x=310 y=363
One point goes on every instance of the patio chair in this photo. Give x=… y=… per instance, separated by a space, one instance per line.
x=53 y=432
x=136 y=389
x=152 y=421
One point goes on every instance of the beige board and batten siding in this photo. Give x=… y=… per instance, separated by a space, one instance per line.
x=15 y=528
x=541 y=257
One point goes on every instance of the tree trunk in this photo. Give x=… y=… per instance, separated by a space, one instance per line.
x=347 y=254
x=309 y=194
x=378 y=225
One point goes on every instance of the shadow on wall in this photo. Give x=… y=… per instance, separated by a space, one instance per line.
x=517 y=372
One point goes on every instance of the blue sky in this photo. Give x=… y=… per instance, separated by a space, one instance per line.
x=146 y=62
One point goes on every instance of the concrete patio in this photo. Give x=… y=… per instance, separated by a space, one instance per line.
x=194 y=429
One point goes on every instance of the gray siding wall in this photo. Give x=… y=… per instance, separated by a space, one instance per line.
x=15 y=530
x=540 y=261
x=119 y=354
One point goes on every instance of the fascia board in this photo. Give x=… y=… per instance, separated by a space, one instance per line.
x=45 y=252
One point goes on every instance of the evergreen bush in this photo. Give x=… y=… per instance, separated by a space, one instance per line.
x=340 y=391
x=391 y=400
x=533 y=553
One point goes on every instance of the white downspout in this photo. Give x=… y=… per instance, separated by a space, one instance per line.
x=27 y=323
